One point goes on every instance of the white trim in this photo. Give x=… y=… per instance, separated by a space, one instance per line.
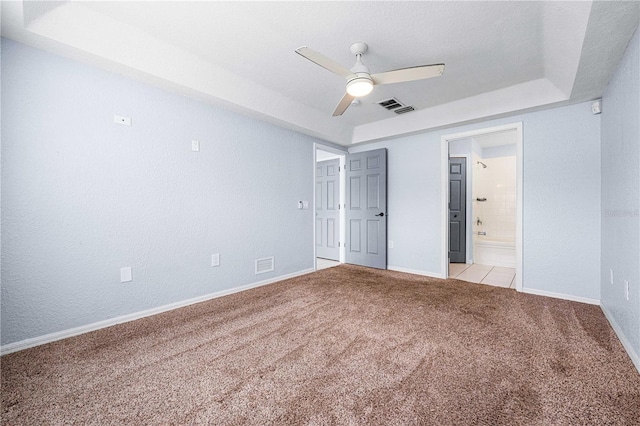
x=635 y=358
x=444 y=202
x=59 y=335
x=519 y=205
x=561 y=296
x=444 y=154
x=328 y=148
x=415 y=272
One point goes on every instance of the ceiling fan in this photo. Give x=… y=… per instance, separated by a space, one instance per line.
x=360 y=81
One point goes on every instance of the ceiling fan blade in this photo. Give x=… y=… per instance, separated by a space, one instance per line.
x=343 y=104
x=408 y=74
x=324 y=62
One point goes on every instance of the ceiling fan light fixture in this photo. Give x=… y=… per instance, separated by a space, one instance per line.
x=360 y=86
x=360 y=81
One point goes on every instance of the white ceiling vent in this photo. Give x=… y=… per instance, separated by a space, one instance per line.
x=266 y=264
x=390 y=104
x=404 y=109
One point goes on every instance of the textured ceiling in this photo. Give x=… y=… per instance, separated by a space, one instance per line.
x=500 y=56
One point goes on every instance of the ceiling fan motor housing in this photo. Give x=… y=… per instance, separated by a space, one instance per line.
x=362 y=83
x=358 y=48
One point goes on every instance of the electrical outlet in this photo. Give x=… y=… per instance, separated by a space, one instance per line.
x=611 y=275
x=195 y=146
x=215 y=259
x=626 y=289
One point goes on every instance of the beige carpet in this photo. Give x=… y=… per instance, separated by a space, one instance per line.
x=346 y=345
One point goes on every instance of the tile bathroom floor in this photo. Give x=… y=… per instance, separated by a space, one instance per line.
x=483 y=274
x=476 y=273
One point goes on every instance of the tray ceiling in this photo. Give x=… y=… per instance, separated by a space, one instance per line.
x=500 y=57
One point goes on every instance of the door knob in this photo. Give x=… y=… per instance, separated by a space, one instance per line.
x=380 y=214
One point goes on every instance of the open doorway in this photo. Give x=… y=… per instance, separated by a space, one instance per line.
x=492 y=158
x=329 y=201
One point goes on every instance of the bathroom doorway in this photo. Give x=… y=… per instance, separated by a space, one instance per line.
x=493 y=237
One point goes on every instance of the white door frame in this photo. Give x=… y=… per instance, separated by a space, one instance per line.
x=444 y=162
x=342 y=156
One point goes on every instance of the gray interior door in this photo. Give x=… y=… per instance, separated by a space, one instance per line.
x=457 y=210
x=366 y=209
x=327 y=213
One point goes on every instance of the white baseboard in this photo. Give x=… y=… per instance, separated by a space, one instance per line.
x=561 y=296
x=414 y=271
x=635 y=358
x=59 y=335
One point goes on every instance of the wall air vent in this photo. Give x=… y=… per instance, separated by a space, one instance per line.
x=266 y=264
x=390 y=104
x=403 y=110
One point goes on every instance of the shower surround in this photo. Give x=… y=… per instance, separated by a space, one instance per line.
x=494 y=211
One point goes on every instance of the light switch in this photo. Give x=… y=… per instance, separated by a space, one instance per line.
x=305 y=205
x=126 y=274
x=626 y=289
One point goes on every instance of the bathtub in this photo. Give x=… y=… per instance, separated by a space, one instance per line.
x=494 y=251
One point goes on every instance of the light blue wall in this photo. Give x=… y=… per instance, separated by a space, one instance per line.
x=561 y=192
x=461 y=147
x=562 y=201
x=621 y=196
x=499 y=151
x=413 y=201
x=83 y=197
